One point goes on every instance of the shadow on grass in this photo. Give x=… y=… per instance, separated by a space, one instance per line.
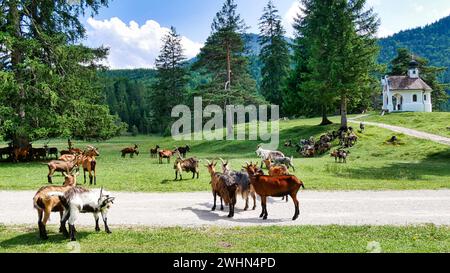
x=32 y=239
x=247 y=148
x=436 y=164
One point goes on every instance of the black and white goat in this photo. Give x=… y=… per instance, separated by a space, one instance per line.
x=80 y=200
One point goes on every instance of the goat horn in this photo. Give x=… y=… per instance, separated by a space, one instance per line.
x=223 y=162
x=101 y=192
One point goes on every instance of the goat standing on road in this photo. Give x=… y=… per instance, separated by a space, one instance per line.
x=223 y=186
x=268 y=186
x=243 y=182
x=45 y=204
x=79 y=200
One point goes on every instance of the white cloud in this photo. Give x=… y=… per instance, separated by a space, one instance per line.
x=133 y=46
x=288 y=19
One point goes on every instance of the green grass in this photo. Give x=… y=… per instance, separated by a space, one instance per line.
x=305 y=239
x=434 y=123
x=373 y=165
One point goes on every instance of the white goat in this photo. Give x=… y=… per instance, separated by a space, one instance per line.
x=267 y=154
x=79 y=200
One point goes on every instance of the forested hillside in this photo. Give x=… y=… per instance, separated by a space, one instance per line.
x=431 y=42
x=128 y=92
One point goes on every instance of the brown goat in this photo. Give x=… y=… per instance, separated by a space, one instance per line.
x=131 y=151
x=186 y=165
x=165 y=154
x=45 y=204
x=276 y=170
x=224 y=187
x=62 y=166
x=268 y=186
x=89 y=164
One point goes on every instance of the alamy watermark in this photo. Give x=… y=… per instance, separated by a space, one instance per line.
x=235 y=122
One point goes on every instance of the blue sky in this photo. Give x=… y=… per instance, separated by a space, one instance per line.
x=133 y=28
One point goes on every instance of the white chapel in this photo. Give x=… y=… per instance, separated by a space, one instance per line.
x=406 y=93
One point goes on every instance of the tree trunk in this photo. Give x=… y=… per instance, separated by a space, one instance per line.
x=325 y=120
x=230 y=127
x=344 y=120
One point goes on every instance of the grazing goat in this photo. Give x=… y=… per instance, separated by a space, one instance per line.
x=45 y=204
x=186 y=165
x=131 y=151
x=341 y=155
x=20 y=153
x=165 y=154
x=243 y=183
x=79 y=200
x=51 y=151
x=223 y=186
x=183 y=150
x=276 y=170
x=72 y=151
x=286 y=161
x=61 y=166
x=38 y=153
x=265 y=154
x=154 y=152
x=268 y=186
x=6 y=151
x=362 y=126
x=288 y=143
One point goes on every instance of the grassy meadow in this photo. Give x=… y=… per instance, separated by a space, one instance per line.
x=435 y=123
x=373 y=164
x=308 y=239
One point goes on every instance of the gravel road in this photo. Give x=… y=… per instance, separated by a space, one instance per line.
x=193 y=209
x=407 y=131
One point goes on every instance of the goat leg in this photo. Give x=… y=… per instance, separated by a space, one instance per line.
x=215 y=198
x=72 y=232
x=296 y=203
x=42 y=231
x=97 y=226
x=107 y=230
x=221 y=204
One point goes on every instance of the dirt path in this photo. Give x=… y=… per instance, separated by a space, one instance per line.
x=406 y=131
x=193 y=209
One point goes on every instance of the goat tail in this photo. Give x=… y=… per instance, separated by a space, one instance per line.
x=37 y=203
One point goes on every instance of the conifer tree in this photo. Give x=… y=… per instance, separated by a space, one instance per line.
x=170 y=86
x=274 y=55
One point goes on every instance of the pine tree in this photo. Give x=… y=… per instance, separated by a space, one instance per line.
x=170 y=87
x=222 y=59
x=48 y=75
x=430 y=74
x=274 y=55
x=339 y=45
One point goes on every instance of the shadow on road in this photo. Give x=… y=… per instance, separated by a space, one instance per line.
x=212 y=216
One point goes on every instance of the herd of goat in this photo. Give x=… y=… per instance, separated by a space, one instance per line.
x=227 y=184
